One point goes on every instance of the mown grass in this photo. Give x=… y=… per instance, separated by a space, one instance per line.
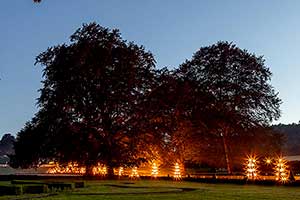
x=165 y=190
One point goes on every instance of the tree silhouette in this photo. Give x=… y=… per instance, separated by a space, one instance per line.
x=237 y=85
x=92 y=89
x=102 y=100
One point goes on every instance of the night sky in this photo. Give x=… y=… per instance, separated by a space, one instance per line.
x=172 y=30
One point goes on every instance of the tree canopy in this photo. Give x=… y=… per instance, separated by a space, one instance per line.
x=102 y=100
x=219 y=98
x=237 y=89
x=91 y=90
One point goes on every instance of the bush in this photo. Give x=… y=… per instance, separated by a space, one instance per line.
x=61 y=186
x=51 y=185
x=11 y=190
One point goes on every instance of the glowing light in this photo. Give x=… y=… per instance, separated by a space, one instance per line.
x=281 y=170
x=100 y=169
x=74 y=168
x=154 y=172
x=121 y=170
x=134 y=173
x=177 y=171
x=268 y=161
x=251 y=167
x=71 y=168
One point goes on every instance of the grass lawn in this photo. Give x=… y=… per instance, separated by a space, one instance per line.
x=164 y=190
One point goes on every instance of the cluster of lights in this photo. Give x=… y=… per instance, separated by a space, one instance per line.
x=251 y=167
x=74 y=168
x=134 y=173
x=71 y=168
x=154 y=172
x=177 y=171
x=280 y=170
x=99 y=170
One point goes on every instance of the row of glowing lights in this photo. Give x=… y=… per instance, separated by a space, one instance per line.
x=102 y=170
x=280 y=168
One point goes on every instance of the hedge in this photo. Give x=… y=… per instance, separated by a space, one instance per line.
x=11 y=190
x=61 y=186
x=35 y=189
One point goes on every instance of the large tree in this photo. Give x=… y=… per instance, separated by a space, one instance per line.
x=89 y=103
x=236 y=84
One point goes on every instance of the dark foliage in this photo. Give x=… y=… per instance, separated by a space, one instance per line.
x=90 y=98
x=292 y=135
x=102 y=100
x=229 y=95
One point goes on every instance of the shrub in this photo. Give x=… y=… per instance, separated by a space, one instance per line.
x=61 y=186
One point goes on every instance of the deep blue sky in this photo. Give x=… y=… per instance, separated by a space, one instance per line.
x=172 y=30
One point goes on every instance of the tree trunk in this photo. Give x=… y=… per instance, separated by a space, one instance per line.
x=226 y=154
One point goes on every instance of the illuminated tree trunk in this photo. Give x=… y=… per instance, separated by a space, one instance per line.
x=226 y=152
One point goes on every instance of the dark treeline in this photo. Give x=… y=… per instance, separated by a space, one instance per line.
x=103 y=100
x=291 y=134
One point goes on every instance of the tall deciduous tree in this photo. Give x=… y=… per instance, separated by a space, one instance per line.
x=92 y=89
x=239 y=90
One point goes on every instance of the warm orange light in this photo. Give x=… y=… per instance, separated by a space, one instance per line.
x=120 y=171
x=281 y=170
x=177 y=171
x=251 y=167
x=71 y=168
x=268 y=160
x=134 y=173
x=100 y=169
x=154 y=172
